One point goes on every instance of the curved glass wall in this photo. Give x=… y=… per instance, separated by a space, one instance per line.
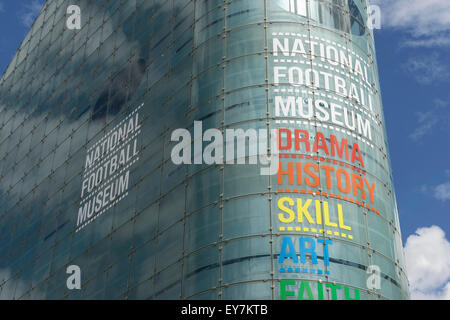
x=87 y=177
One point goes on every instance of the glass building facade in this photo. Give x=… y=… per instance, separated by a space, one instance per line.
x=86 y=170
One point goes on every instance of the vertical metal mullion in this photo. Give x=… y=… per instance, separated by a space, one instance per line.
x=222 y=168
x=269 y=145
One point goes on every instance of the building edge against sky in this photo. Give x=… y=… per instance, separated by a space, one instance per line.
x=87 y=176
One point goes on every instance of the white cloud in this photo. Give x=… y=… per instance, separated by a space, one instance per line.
x=2 y=7
x=417 y=16
x=31 y=12
x=443 y=294
x=427 y=254
x=442 y=191
x=427 y=21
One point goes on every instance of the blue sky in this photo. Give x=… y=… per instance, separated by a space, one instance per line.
x=414 y=66
x=16 y=17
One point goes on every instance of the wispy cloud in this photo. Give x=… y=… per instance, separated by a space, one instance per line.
x=427 y=69
x=2 y=7
x=442 y=191
x=437 y=41
x=428 y=21
x=428 y=270
x=427 y=121
x=440 y=103
x=30 y=13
